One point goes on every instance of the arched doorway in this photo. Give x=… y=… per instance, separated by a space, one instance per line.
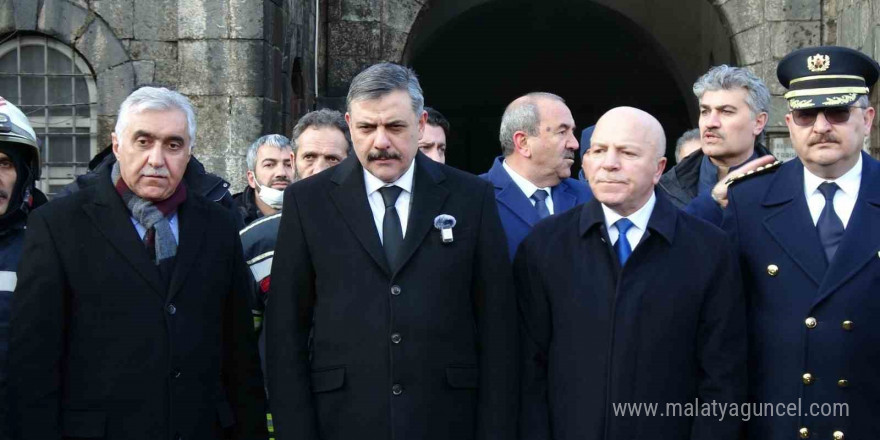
x=595 y=56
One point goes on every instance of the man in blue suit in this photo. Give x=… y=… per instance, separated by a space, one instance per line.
x=531 y=179
x=808 y=241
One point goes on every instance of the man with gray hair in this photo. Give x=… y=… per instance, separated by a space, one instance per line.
x=734 y=107
x=268 y=174
x=688 y=143
x=390 y=312
x=320 y=141
x=532 y=177
x=131 y=314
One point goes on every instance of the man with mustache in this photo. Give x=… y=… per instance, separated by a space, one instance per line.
x=391 y=313
x=131 y=318
x=320 y=141
x=532 y=177
x=808 y=238
x=19 y=170
x=734 y=107
x=270 y=170
x=627 y=299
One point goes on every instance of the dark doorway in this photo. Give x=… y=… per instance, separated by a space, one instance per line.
x=593 y=57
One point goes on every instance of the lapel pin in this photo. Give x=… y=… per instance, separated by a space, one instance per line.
x=445 y=223
x=772 y=270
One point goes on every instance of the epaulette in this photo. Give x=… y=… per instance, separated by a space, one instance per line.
x=760 y=170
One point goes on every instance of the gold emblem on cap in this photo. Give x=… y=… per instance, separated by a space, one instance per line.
x=840 y=100
x=818 y=63
x=800 y=103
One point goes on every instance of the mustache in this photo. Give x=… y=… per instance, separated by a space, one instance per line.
x=280 y=179
x=149 y=171
x=569 y=154
x=826 y=138
x=609 y=179
x=382 y=155
x=713 y=133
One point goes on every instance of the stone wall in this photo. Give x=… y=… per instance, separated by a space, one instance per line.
x=232 y=58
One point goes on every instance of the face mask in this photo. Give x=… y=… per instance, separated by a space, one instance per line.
x=271 y=196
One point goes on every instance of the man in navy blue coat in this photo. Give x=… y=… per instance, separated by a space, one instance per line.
x=531 y=179
x=629 y=300
x=808 y=240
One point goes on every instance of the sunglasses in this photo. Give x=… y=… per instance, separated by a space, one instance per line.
x=834 y=115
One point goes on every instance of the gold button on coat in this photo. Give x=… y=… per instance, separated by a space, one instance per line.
x=808 y=378
x=810 y=322
x=772 y=270
x=804 y=432
x=843 y=383
x=838 y=435
x=847 y=325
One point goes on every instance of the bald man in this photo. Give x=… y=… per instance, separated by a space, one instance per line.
x=629 y=301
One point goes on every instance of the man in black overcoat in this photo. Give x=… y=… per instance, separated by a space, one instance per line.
x=392 y=313
x=131 y=317
x=628 y=302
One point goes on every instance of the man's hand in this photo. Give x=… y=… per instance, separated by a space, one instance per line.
x=719 y=192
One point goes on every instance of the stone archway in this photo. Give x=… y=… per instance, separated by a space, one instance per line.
x=474 y=56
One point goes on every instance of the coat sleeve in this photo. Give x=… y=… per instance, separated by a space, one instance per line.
x=288 y=321
x=534 y=310
x=243 y=379
x=704 y=207
x=721 y=349
x=37 y=343
x=495 y=301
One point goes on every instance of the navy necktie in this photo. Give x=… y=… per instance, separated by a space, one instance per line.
x=622 y=245
x=830 y=226
x=392 y=231
x=540 y=197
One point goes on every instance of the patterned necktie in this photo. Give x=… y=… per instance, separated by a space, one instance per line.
x=830 y=226
x=392 y=232
x=540 y=197
x=622 y=245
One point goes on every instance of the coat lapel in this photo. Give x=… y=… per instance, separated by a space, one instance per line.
x=191 y=221
x=350 y=198
x=511 y=196
x=111 y=217
x=861 y=241
x=428 y=197
x=563 y=200
x=789 y=221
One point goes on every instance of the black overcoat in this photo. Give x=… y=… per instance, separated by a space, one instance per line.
x=101 y=347
x=667 y=328
x=356 y=349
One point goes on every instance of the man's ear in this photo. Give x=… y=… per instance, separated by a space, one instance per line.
x=521 y=144
x=115 y=142
x=252 y=180
x=760 y=123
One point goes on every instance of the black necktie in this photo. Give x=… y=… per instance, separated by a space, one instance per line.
x=540 y=197
x=392 y=232
x=829 y=225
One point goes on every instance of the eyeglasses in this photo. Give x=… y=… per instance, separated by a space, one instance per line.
x=834 y=115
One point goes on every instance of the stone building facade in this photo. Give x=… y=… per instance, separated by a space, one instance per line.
x=252 y=67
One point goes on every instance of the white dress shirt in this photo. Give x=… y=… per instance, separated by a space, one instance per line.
x=529 y=188
x=377 y=205
x=844 y=198
x=141 y=230
x=639 y=219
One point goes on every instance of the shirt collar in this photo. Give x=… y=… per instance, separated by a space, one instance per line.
x=405 y=181
x=524 y=184
x=849 y=182
x=639 y=218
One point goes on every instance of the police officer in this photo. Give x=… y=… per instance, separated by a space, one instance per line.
x=19 y=169
x=807 y=238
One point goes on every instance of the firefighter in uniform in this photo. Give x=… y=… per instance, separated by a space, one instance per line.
x=808 y=240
